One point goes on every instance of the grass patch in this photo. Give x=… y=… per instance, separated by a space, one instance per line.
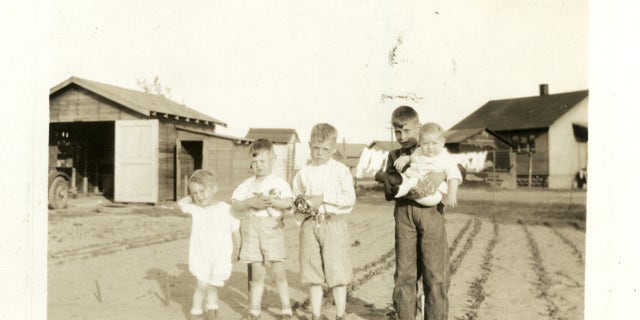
x=558 y=214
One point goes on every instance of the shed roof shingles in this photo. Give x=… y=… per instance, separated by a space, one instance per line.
x=522 y=113
x=275 y=135
x=139 y=101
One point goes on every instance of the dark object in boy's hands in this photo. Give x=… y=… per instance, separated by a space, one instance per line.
x=303 y=206
x=390 y=181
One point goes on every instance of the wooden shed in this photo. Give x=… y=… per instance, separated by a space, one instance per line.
x=284 y=143
x=136 y=146
x=498 y=150
x=349 y=154
x=382 y=145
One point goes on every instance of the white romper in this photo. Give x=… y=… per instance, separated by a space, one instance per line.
x=211 y=243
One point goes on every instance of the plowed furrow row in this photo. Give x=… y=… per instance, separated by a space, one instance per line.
x=455 y=263
x=477 y=291
x=543 y=280
x=109 y=248
x=574 y=248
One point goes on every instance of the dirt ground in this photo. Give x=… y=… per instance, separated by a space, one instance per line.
x=514 y=255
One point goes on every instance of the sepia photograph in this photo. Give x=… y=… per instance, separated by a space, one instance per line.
x=315 y=160
x=441 y=148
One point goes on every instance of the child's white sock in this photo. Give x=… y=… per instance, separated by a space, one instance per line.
x=286 y=309
x=255 y=311
x=196 y=312
x=212 y=306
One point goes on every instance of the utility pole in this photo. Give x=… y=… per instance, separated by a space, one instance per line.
x=391 y=133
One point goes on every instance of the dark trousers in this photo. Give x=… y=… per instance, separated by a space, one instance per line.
x=421 y=251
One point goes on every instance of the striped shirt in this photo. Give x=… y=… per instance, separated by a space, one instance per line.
x=332 y=180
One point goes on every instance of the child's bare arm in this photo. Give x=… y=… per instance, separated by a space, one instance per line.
x=184 y=201
x=255 y=202
x=452 y=192
x=282 y=203
x=401 y=162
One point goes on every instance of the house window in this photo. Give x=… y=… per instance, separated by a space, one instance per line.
x=524 y=143
x=532 y=143
x=516 y=143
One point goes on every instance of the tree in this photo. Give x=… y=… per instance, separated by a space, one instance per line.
x=154 y=87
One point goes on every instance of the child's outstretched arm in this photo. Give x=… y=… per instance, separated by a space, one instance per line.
x=184 y=203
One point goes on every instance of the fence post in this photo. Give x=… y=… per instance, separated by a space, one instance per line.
x=530 y=167
x=185 y=186
x=495 y=178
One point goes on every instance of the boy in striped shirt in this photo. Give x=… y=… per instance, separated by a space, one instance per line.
x=327 y=186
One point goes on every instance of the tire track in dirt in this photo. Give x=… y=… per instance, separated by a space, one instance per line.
x=477 y=292
x=509 y=289
x=543 y=280
x=565 y=272
x=63 y=256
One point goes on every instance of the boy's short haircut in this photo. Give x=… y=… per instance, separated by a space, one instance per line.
x=432 y=128
x=322 y=132
x=204 y=178
x=260 y=145
x=403 y=115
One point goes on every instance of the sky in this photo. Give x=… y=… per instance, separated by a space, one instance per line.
x=349 y=63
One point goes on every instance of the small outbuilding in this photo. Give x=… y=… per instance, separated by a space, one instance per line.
x=382 y=145
x=349 y=154
x=284 y=143
x=485 y=155
x=136 y=146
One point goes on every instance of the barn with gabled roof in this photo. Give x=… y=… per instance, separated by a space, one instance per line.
x=136 y=146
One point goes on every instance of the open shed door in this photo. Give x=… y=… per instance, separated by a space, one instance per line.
x=136 y=161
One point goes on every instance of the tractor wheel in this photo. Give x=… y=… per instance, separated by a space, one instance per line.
x=58 y=193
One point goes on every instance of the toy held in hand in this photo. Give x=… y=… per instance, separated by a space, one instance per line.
x=303 y=205
x=273 y=194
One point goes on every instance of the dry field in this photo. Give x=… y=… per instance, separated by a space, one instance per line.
x=514 y=255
